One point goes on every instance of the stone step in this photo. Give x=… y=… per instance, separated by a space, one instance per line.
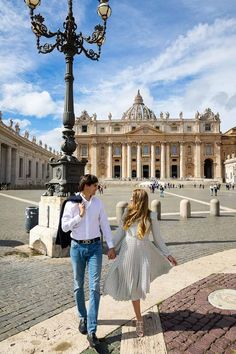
x=153 y=340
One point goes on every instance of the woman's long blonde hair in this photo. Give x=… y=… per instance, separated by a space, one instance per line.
x=138 y=210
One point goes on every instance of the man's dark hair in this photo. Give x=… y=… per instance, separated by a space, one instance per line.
x=87 y=179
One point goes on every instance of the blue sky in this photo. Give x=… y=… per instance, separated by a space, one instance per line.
x=181 y=54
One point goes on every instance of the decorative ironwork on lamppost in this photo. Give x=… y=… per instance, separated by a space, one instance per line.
x=67 y=169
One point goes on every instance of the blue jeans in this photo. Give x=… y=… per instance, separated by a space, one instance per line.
x=90 y=255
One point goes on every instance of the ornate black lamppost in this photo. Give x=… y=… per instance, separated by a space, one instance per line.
x=67 y=169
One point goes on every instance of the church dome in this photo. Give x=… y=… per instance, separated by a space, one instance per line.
x=138 y=111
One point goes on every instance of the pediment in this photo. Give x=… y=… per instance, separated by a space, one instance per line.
x=145 y=130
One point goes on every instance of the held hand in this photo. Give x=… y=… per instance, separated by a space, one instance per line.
x=81 y=209
x=111 y=253
x=172 y=260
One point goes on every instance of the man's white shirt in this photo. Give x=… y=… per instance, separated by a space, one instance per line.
x=91 y=224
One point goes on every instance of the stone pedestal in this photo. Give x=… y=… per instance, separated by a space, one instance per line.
x=43 y=236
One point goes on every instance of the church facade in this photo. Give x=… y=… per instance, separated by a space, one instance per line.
x=140 y=145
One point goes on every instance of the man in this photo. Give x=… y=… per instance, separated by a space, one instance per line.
x=85 y=220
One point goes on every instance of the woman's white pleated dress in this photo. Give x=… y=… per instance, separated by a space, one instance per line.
x=139 y=262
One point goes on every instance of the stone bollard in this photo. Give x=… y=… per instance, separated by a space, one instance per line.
x=214 y=207
x=156 y=207
x=185 y=209
x=120 y=208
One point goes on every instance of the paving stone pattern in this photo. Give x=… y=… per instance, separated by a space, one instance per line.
x=33 y=290
x=192 y=325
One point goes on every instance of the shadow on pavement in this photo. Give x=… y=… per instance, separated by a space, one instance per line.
x=10 y=243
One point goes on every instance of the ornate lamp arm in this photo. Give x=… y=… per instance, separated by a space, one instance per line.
x=68 y=37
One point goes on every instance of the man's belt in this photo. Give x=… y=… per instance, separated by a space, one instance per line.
x=87 y=242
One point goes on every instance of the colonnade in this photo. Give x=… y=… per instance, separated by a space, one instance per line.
x=129 y=162
x=165 y=164
x=18 y=168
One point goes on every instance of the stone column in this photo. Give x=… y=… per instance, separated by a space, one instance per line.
x=181 y=161
x=128 y=160
x=124 y=161
x=153 y=160
x=218 y=166
x=109 y=161
x=167 y=160
x=197 y=170
x=139 y=175
x=163 y=162
x=8 y=165
x=94 y=159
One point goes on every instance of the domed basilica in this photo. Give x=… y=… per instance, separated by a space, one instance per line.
x=141 y=145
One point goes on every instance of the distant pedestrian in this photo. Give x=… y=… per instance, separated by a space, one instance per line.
x=215 y=188
x=211 y=189
x=161 y=191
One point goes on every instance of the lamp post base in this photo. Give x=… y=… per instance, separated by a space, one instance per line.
x=65 y=177
x=42 y=237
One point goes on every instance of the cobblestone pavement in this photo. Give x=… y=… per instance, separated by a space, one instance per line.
x=192 y=325
x=34 y=288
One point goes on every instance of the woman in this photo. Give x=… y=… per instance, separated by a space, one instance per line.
x=139 y=261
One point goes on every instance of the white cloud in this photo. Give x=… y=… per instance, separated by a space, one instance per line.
x=52 y=138
x=202 y=63
x=26 y=100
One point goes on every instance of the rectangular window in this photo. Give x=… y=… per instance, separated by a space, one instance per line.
x=174 y=128
x=37 y=169
x=29 y=168
x=133 y=151
x=47 y=175
x=174 y=149
x=207 y=127
x=84 y=150
x=117 y=151
x=189 y=128
x=84 y=128
x=208 y=149
x=102 y=130
x=145 y=151
x=21 y=167
x=157 y=150
x=157 y=127
x=133 y=128
x=116 y=129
